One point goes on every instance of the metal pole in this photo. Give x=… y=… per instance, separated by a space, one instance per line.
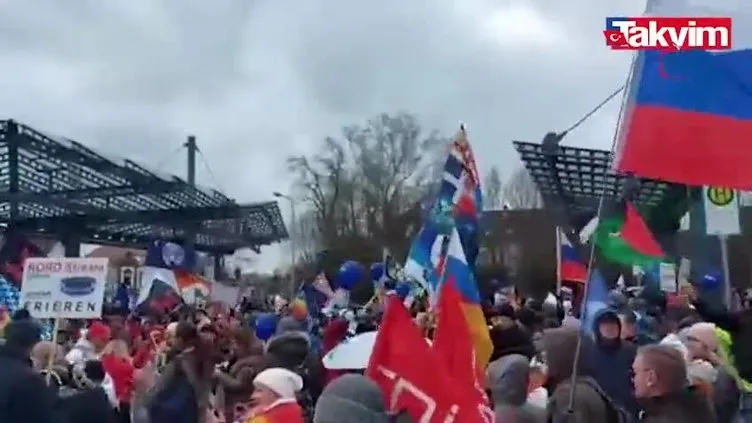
x=558 y=261
x=723 y=239
x=192 y=147
x=293 y=245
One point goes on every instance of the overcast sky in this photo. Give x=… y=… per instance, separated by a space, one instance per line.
x=258 y=80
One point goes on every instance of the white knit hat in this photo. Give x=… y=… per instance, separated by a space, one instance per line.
x=282 y=381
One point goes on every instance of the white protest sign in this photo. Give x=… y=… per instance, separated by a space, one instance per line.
x=685 y=270
x=69 y=287
x=668 y=277
x=721 y=211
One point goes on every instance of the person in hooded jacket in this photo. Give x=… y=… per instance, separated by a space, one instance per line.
x=290 y=349
x=608 y=357
x=660 y=383
x=24 y=397
x=354 y=398
x=508 y=379
x=559 y=348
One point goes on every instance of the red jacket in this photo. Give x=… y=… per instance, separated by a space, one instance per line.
x=121 y=370
x=283 y=412
x=143 y=355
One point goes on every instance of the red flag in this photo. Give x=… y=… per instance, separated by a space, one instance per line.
x=453 y=343
x=411 y=374
x=636 y=234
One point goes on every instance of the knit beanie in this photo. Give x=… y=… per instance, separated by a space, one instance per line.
x=283 y=382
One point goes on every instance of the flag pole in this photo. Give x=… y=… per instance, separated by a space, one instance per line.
x=723 y=239
x=591 y=260
x=583 y=307
x=558 y=261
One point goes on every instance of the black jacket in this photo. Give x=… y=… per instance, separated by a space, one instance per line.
x=683 y=407
x=609 y=363
x=88 y=406
x=180 y=393
x=24 y=397
x=739 y=326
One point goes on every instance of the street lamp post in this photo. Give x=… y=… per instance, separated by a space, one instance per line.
x=293 y=241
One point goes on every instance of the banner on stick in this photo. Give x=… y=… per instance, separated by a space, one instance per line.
x=69 y=288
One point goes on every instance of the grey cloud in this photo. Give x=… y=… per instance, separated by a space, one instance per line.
x=258 y=80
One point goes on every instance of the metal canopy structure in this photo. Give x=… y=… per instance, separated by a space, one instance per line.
x=56 y=186
x=582 y=176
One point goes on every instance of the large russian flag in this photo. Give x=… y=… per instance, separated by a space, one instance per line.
x=453 y=268
x=688 y=115
x=569 y=266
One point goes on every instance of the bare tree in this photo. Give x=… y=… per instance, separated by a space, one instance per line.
x=493 y=190
x=307 y=237
x=520 y=191
x=365 y=190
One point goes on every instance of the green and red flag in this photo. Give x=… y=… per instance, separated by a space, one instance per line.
x=625 y=238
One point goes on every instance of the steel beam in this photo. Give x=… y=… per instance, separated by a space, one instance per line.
x=96 y=216
x=68 y=209
x=93 y=193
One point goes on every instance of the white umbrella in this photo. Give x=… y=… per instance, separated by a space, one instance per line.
x=353 y=353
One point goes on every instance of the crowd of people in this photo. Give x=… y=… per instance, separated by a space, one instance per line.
x=647 y=360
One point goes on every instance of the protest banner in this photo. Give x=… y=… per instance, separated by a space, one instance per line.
x=64 y=288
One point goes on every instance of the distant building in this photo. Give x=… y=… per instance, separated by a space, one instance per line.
x=516 y=239
x=124 y=266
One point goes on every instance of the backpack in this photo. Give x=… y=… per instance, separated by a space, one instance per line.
x=616 y=414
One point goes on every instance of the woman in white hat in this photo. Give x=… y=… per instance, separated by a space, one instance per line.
x=274 y=397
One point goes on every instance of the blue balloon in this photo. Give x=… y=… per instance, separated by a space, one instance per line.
x=377 y=271
x=266 y=326
x=350 y=273
x=403 y=289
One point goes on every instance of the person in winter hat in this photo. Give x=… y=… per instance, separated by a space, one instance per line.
x=274 y=397
x=559 y=347
x=24 y=396
x=609 y=355
x=508 y=379
x=354 y=398
x=290 y=348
